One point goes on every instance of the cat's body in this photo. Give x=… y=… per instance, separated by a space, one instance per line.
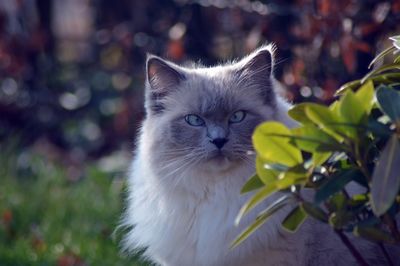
x=188 y=171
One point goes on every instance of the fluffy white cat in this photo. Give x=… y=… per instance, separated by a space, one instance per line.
x=193 y=158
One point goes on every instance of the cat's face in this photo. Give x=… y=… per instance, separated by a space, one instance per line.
x=206 y=116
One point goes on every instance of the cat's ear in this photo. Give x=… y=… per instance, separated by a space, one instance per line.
x=256 y=70
x=162 y=75
x=258 y=64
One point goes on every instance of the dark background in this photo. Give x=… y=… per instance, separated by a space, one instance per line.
x=71 y=91
x=71 y=72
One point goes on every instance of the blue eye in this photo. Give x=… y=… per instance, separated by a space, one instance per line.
x=237 y=117
x=194 y=120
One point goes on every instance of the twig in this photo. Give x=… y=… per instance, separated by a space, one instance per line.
x=361 y=261
x=361 y=163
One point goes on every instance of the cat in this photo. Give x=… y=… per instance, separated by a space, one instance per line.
x=194 y=154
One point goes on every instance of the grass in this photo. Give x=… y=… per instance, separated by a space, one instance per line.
x=47 y=219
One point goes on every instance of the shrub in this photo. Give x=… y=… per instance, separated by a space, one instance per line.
x=356 y=138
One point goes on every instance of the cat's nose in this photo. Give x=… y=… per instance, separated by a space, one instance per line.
x=219 y=142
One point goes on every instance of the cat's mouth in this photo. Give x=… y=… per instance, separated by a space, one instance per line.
x=222 y=161
x=220 y=156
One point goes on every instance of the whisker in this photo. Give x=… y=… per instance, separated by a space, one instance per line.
x=180 y=163
x=187 y=166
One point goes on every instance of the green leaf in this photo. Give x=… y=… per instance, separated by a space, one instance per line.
x=396 y=41
x=352 y=85
x=386 y=177
x=335 y=183
x=297 y=112
x=314 y=211
x=357 y=200
x=351 y=112
x=341 y=218
x=378 y=129
x=312 y=139
x=387 y=78
x=306 y=142
x=260 y=195
x=324 y=118
x=388 y=50
x=319 y=158
x=266 y=175
x=253 y=183
x=336 y=202
x=294 y=219
x=262 y=218
x=293 y=176
x=380 y=70
x=351 y=108
x=275 y=149
x=397 y=59
x=277 y=167
x=374 y=234
x=365 y=95
x=361 y=180
x=389 y=102
x=334 y=107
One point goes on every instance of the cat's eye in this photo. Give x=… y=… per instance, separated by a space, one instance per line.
x=194 y=120
x=237 y=117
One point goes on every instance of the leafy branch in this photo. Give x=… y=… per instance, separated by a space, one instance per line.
x=356 y=139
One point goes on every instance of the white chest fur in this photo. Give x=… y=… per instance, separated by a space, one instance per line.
x=194 y=224
x=195 y=227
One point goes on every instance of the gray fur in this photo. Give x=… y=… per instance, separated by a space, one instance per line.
x=184 y=191
x=214 y=94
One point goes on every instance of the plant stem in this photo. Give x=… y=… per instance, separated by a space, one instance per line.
x=361 y=261
x=360 y=162
x=386 y=254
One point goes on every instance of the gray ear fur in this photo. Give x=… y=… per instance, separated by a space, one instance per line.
x=161 y=74
x=257 y=70
x=161 y=77
x=260 y=61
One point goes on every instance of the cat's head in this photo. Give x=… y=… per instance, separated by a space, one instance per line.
x=205 y=116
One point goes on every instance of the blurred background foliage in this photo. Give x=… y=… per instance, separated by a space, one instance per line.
x=71 y=96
